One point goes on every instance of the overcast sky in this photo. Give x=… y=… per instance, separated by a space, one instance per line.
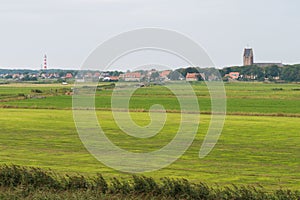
x=68 y=30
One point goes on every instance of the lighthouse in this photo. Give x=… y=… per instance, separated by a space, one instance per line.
x=45 y=62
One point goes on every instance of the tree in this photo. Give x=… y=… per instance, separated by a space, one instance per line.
x=272 y=71
x=174 y=75
x=154 y=76
x=291 y=73
x=62 y=74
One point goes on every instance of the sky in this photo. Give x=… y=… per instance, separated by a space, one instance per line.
x=69 y=30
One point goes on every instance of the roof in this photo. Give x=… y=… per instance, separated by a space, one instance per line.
x=97 y=74
x=114 y=78
x=133 y=75
x=192 y=75
x=234 y=74
x=269 y=63
x=69 y=75
x=165 y=73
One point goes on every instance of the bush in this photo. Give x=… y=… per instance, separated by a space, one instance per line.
x=12 y=176
x=34 y=183
x=100 y=183
x=36 y=91
x=142 y=184
x=106 y=87
x=276 y=89
x=77 y=182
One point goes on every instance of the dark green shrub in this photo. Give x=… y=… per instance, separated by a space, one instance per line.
x=121 y=187
x=142 y=184
x=34 y=183
x=277 y=89
x=100 y=183
x=296 y=89
x=12 y=176
x=36 y=91
x=77 y=182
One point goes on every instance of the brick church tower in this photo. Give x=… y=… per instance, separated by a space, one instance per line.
x=248 y=56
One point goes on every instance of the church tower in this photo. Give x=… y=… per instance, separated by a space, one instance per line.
x=248 y=56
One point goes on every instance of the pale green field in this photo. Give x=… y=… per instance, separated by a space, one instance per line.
x=251 y=150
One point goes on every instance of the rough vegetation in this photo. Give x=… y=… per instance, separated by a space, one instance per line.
x=33 y=183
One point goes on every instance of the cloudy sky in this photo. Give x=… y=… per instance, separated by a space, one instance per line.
x=68 y=30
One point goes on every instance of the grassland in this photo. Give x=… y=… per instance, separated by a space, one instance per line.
x=251 y=150
x=241 y=98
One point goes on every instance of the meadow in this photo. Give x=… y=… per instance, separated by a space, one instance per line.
x=252 y=150
x=241 y=98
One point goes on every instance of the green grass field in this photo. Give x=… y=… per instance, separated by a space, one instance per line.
x=251 y=150
x=241 y=98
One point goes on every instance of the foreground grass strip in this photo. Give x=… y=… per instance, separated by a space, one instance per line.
x=34 y=183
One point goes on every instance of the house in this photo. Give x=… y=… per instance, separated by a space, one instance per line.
x=97 y=74
x=132 y=76
x=15 y=76
x=111 y=78
x=234 y=75
x=122 y=77
x=69 y=75
x=88 y=75
x=192 y=77
x=164 y=74
x=114 y=78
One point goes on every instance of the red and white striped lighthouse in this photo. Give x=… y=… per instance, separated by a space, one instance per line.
x=45 y=62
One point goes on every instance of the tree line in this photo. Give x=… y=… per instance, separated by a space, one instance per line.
x=288 y=73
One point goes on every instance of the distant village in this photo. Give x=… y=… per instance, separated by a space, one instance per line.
x=250 y=71
x=108 y=76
